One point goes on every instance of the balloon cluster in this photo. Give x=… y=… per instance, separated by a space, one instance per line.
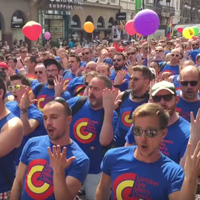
x=145 y=23
x=190 y=32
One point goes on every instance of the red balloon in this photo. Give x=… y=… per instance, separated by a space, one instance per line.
x=129 y=27
x=32 y=30
x=180 y=30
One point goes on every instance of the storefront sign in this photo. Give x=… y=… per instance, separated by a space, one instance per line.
x=74 y=23
x=121 y=16
x=65 y=4
x=17 y=20
x=138 y=5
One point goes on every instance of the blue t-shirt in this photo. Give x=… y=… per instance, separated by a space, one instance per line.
x=83 y=64
x=173 y=69
x=126 y=109
x=85 y=130
x=34 y=82
x=193 y=54
x=71 y=45
x=38 y=182
x=184 y=107
x=176 y=82
x=68 y=76
x=133 y=179
x=175 y=143
x=123 y=86
x=7 y=163
x=33 y=113
x=75 y=85
x=45 y=95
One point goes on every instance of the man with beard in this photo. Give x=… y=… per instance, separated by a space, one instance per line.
x=54 y=163
x=54 y=86
x=176 y=140
x=130 y=100
x=189 y=80
x=119 y=62
x=93 y=127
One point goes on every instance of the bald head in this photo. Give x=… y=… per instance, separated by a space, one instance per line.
x=91 y=66
x=187 y=63
x=190 y=72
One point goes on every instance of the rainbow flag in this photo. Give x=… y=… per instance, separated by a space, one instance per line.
x=170 y=31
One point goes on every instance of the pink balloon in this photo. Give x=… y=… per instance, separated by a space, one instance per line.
x=129 y=27
x=47 y=35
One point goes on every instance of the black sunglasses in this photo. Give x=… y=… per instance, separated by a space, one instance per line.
x=158 y=98
x=159 y=51
x=150 y=132
x=132 y=53
x=195 y=44
x=117 y=60
x=86 y=84
x=38 y=72
x=177 y=55
x=192 y=83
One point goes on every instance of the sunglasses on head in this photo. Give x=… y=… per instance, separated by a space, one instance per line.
x=86 y=53
x=117 y=60
x=192 y=83
x=177 y=55
x=132 y=53
x=158 y=98
x=15 y=87
x=38 y=72
x=150 y=132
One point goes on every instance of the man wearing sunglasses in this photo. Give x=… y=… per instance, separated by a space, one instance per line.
x=159 y=54
x=119 y=62
x=176 y=140
x=143 y=171
x=146 y=49
x=24 y=109
x=131 y=55
x=87 y=54
x=40 y=72
x=11 y=134
x=54 y=86
x=189 y=101
x=172 y=67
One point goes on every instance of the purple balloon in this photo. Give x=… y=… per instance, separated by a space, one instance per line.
x=47 y=35
x=146 y=22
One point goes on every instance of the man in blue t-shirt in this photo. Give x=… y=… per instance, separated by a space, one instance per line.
x=93 y=127
x=51 y=167
x=54 y=86
x=189 y=101
x=23 y=108
x=119 y=62
x=176 y=140
x=11 y=134
x=130 y=100
x=142 y=171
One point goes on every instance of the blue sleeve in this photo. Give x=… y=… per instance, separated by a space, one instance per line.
x=73 y=101
x=129 y=136
x=66 y=95
x=70 y=88
x=25 y=153
x=79 y=169
x=184 y=147
x=34 y=82
x=34 y=88
x=106 y=163
x=176 y=181
x=115 y=120
x=34 y=113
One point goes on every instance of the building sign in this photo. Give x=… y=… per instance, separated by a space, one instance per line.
x=17 y=20
x=121 y=16
x=138 y=5
x=64 y=4
x=99 y=24
x=74 y=23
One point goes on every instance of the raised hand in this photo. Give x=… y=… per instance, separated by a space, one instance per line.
x=108 y=101
x=120 y=78
x=58 y=159
x=58 y=86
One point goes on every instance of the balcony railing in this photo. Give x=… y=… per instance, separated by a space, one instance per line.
x=161 y=10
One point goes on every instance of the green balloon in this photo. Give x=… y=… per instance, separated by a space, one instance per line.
x=196 y=30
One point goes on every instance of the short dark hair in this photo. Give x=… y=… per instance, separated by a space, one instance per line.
x=33 y=59
x=24 y=79
x=146 y=72
x=121 y=54
x=106 y=80
x=3 y=75
x=3 y=87
x=75 y=56
x=12 y=58
x=63 y=102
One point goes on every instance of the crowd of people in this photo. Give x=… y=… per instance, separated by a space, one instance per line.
x=117 y=121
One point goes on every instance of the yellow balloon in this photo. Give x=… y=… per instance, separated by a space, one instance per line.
x=188 y=33
x=88 y=27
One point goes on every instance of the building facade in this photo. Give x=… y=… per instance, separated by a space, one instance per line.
x=61 y=21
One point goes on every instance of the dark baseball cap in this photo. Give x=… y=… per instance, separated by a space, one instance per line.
x=51 y=61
